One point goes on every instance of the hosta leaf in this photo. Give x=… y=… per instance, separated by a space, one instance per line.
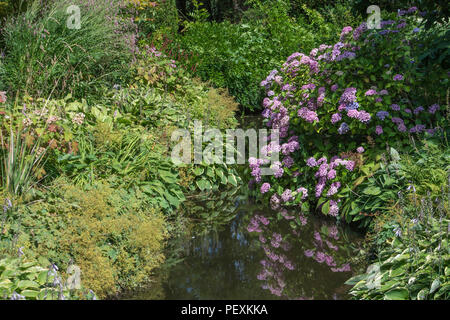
x=167 y=176
x=232 y=180
x=198 y=171
x=396 y=272
x=203 y=184
x=23 y=284
x=29 y=293
x=435 y=285
x=397 y=294
x=354 y=280
x=422 y=295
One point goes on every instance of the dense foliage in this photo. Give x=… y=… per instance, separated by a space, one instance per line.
x=413 y=263
x=90 y=191
x=236 y=56
x=27 y=280
x=360 y=94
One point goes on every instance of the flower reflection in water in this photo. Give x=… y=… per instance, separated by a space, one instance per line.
x=304 y=256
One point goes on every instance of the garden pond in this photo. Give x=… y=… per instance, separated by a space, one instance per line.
x=274 y=261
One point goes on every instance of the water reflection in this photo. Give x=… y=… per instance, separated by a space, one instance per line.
x=306 y=257
x=262 y=254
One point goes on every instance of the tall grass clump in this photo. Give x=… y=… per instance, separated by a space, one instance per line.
x=43 y=55
x=22 y=162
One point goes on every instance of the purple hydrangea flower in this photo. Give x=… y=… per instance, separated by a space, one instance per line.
x=382 y=115
x=287 y=195
x=274 y=202
x=401 y=127
x=265 y=187
x=331 y=174
x=336 y=118
x=311 y=162
x=304 y=192
x=309 y=253
x=395 y=107
x=288 y=161
x=352 y=106
x=432 y=109
x=344 y=128
x=345 y=31
x=418 y=110
x=353 y=113
x=348 y=96
x=334 y=211
x=398 y=77
x=379 y=130
x=364 y=116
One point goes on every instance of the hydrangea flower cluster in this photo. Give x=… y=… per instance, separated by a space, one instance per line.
x=327 y=172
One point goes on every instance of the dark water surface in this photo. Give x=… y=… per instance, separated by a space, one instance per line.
x=282 y=259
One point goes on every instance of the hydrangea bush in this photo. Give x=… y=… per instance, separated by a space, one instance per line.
x=341 y=106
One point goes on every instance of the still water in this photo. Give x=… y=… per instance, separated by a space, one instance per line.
x=260 y=254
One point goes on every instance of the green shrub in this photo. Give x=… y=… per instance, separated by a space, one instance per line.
x=376 y=191
x=155 y=17
x=236 y=55
x=110 y=234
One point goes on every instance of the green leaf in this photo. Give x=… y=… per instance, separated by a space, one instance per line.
x=232 y=180
x=29 y=293
x=172 y=200
x=374 y=191
x=354 y=280
x=198 y=171
x=395 y=155
x=210 y=172
x=203 y=184
x=397 y=294
x=422 y=295
x=23 y=284
x=42 y=277
x=435 y=285
x=168 y=176
x=396 y=272
x=326 y=208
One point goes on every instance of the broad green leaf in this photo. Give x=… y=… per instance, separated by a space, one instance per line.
x=24 y=284
x=232 y=180
x=29 y=293
x=435 y=285
x=397 y=294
